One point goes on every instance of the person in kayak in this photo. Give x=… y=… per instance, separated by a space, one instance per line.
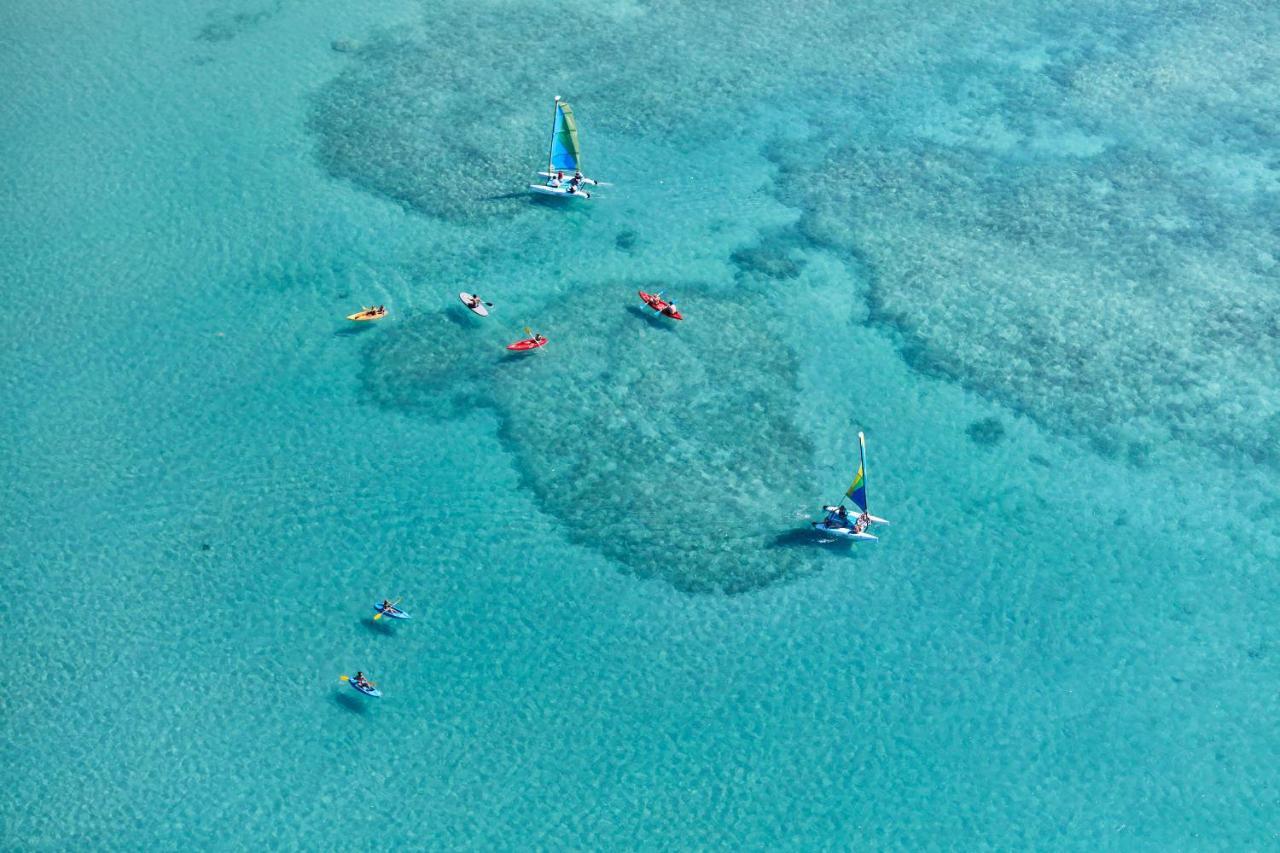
x=387 y=607
x=539 y=339
x=670 y=310
x=361 y=681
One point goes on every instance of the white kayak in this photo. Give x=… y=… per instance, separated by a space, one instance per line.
x=562 y=191
x=478 y=308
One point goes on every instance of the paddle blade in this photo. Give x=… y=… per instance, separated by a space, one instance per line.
x=344 y=678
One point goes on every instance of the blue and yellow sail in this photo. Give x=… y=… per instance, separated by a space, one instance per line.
x=565 y=154
x=858 y=491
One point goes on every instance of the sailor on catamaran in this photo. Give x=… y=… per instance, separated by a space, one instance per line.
x=564 y=155
x=837 y=520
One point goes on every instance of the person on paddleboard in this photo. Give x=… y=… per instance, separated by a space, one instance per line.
x=474 y=301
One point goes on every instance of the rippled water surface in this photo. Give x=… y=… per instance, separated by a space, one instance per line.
x=1032 y=251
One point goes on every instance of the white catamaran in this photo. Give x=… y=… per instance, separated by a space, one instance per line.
x=837 y=521
x=564 y=161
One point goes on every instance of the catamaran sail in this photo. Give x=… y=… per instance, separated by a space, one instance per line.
x=564 y=159
x=837 y=520
x=565 y=153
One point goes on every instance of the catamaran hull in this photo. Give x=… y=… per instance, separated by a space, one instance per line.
x=560 y=191
x=844 y=532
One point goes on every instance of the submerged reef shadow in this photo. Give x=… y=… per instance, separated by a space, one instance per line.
x=1091 y=294
x=223 y=26
x=612 y=454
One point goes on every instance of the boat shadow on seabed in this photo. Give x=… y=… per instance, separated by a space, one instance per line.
x=807 y=537
x=652 y=318
x=348 y=702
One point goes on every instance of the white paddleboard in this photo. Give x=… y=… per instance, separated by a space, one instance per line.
x=479 y=309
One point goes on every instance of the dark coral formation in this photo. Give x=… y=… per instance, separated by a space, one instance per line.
x=670 y=450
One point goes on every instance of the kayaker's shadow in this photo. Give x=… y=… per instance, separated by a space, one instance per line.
x=347 y=702
x=651 y=318
x=353 y=330
x=378 y=627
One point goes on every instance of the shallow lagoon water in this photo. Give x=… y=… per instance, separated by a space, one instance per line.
x=1066 y=639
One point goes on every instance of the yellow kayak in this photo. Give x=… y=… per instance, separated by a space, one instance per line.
x=368 y=314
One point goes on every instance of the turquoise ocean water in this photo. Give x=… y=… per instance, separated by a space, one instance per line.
x=1031 y=249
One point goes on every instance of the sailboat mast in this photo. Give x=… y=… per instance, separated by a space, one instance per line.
x=551 y=148
x=862 y=466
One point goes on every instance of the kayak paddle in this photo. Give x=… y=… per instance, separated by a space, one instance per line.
x=378 y=615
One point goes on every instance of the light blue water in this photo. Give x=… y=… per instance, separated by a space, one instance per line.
x=1031 y=250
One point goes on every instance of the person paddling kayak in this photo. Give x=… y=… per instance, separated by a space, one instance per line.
x=664 y=307
x=534 y=342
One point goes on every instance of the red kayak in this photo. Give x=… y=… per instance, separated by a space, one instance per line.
x=657 y=303
x=528 y=343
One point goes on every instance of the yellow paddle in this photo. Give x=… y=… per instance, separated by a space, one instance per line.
x=531 y=335
x=378 y=615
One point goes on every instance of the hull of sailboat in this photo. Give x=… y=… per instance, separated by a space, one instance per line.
x=563 y=192
x=844 y=532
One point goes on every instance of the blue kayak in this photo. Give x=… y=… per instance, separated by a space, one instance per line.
x=392 y=613
x=368 y=691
